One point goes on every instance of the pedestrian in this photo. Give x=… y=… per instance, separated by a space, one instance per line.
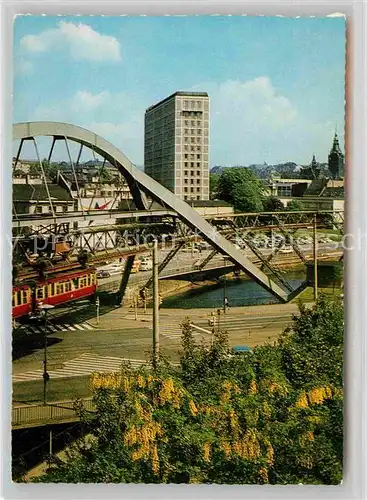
x=226 y=304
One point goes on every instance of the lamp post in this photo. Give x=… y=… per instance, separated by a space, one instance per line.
x=315 y=283
x=225 y=289
x=156 y=305
x=218 y=314
x=97 y=310
x=44 y=308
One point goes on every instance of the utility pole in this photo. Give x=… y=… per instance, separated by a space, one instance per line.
x=136 y=306
x=155 y=305
x=50 y=444
x=45 y=374
x=145 y=300
x=315 y=279
x=46 y=377
x=225 y=289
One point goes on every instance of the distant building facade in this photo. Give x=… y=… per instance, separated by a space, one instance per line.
x=176 y=144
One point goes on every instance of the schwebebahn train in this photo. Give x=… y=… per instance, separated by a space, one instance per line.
x=57 y=290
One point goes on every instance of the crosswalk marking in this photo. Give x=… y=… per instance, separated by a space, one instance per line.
x=85 y=364
x=52 y=328
x=88 y=327
x=174 y=330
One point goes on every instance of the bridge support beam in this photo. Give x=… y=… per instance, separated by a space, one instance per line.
x=125 y=278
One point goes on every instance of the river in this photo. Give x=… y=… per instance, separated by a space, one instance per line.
x=240 y=292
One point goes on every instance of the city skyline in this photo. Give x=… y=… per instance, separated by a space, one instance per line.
x=103 y=72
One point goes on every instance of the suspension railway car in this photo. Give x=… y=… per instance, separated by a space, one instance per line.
x=54 y=291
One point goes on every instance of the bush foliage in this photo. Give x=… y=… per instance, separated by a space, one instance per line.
x=271 y=415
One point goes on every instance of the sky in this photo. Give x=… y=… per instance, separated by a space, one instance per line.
x=276 y=85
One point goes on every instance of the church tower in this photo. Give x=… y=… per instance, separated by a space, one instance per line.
x=336 y=160
x=315 y=168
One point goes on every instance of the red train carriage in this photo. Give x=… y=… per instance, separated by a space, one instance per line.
x=56 y=290
x=22 y=301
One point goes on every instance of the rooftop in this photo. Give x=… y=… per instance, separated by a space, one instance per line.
x=178 y=93
x=26 y=192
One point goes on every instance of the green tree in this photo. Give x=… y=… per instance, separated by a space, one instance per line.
x=50 y=169
x=106 y=176
x=83 y=258
x=295 y=206
x=273 y=204
x=35 y=170
x=241 y=188
x=272 y=415
x=213 y=185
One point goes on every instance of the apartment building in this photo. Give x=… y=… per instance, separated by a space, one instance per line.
x=176 y=144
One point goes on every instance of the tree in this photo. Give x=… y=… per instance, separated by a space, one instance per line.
x=273 y=204
x=83 y=258
x=50 y=169
x=271 y=415
x=105 y=175
x=41 y=265
x=241 y=188
x=295 y=206
x=213 y=185
x=35 y=170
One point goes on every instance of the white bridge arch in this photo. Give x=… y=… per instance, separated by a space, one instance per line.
x=142 y=186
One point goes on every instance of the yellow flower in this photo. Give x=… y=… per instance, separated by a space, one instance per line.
x=154 y=459
x=263 y=474
x=206 y=452
x=270 y=454
x=226 y=448
x=302 y=401
x=193 y=408
x=140 y=381
x=253 y=387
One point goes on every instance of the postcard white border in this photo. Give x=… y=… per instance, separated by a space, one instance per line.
x=354 y=483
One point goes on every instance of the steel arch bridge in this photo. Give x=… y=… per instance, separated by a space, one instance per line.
x=144 y=191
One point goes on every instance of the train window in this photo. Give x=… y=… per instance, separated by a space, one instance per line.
x=51 y=289
x=60 y=288
x=15 y=299
x=82 y=282
x=24 y=296
x=67 y=286
x=40 y=294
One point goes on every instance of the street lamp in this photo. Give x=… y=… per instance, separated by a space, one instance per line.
x=46 y=377
x=225 y=300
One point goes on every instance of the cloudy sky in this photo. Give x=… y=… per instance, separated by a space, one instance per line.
x=276 y=85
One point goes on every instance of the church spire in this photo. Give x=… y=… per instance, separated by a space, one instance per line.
x=336 y=159
x=336 y=147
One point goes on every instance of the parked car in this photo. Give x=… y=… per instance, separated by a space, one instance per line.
x=286 y=250
x=103 y=274
x=238 y=349
x=146 y=265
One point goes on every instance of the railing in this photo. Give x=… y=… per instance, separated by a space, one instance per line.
x=192 y=268
x=34 y=415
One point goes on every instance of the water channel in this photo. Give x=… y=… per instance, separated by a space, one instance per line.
x=240 y=292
